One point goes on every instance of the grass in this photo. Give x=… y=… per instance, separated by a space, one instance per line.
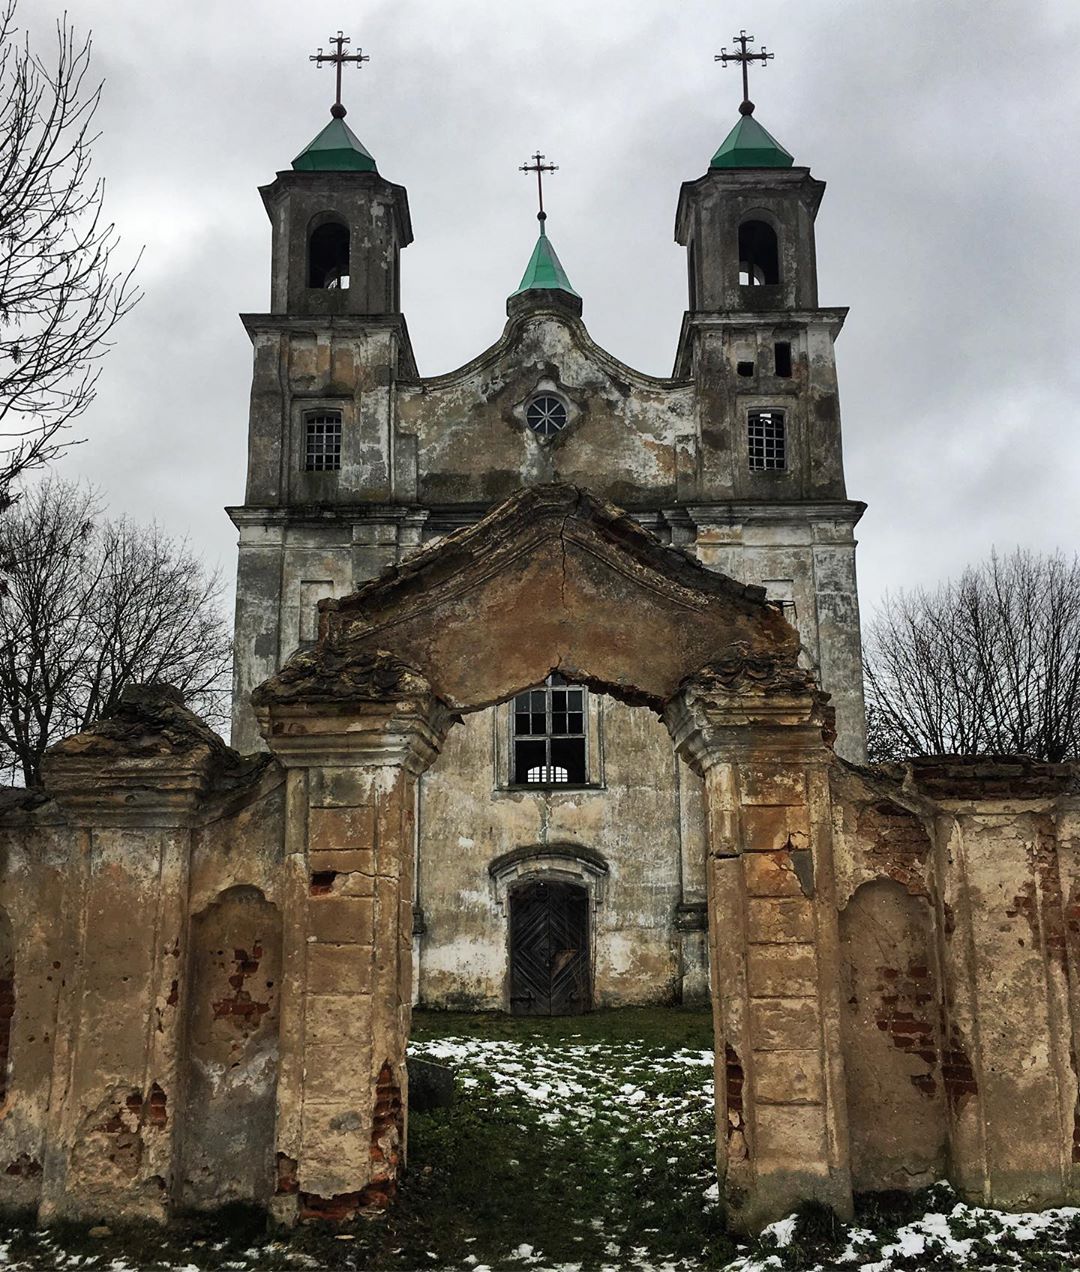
x=583 y=1143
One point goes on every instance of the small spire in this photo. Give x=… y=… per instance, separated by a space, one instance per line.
x=337 y=148
x=748 y=145
x=544 y=272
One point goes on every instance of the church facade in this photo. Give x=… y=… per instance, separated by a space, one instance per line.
x=356 y=461
x=548 y=697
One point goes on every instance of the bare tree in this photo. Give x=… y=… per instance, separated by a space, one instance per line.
x=60 y=291
x=988 y=664
x=89 y=605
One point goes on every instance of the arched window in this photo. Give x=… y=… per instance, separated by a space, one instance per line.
x=328 y=255
x=759 y=255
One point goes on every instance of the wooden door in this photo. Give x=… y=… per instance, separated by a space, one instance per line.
x=549 y=950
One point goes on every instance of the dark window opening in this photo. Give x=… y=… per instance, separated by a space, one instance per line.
x=328 y=256
x=759 y=255
x=744 y=368
x=782 y=359
x=322 y=442
x=766 y=441
x=548 y=735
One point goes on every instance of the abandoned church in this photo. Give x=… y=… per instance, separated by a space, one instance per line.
x=548 y=697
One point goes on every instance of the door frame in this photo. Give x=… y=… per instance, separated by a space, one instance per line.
x=532 y=880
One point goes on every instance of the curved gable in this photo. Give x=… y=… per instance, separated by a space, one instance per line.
x=474 y=447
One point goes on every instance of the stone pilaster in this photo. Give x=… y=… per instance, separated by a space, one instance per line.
x=131 y=787
x=755 y=733
x=1003 y=860
x=347 y=982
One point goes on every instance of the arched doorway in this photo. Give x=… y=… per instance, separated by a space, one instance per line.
x=550 y=968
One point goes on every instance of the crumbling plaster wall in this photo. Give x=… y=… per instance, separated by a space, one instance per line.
x=142 y=1070
x=631 y=436
x=34 y=850
x=421 y=456
x=972 y=929
x=469 y=817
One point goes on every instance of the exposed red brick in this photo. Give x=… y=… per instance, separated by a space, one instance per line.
x=156 y=1110
x=345 y=1206
x=387 y=1131
x=957 y=1075
x=902 y=995
x=322 y=882
x=287 y=1181
x=239 y=1006
x=895 y=845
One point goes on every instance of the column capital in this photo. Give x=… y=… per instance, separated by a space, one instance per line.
x=743 y=707
x=148 y=762
x=337 y=705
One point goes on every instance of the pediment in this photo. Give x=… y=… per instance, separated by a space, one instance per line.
x=473 y=444
x=556 y=579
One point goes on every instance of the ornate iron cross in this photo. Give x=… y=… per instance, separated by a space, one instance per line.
x=743 y=58
x=539 y=167
x=338 y=58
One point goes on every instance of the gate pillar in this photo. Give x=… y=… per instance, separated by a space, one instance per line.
x=354 y=738
x=759 y=735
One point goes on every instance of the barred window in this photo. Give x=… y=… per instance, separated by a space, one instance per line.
x=322 y=441
x=548 y=734
x=766 y=441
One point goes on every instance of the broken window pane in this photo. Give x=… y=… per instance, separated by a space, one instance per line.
x=548 y=742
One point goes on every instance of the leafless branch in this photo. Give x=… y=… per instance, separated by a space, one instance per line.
x=61 y=292
x=89 y=605
x=989 y=664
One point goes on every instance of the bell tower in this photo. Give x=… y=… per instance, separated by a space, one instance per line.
x=758 y=347
x=324 y=505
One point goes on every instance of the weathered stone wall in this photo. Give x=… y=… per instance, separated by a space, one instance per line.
x=470 y=817
x=892 y=1039
x=421 y=456
x=37 y=959
x=234 y=988
x=894 y=955
x=208 y=958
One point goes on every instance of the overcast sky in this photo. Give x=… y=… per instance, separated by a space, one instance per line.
x=948 y=133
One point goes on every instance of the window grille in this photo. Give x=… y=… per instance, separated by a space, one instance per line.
x=546 y=415
x=322 y=447
x=548 y=734
x=766 y=441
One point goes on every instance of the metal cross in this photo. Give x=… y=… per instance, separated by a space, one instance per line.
x=539 y=167
x=339 y=58
x=744 y=57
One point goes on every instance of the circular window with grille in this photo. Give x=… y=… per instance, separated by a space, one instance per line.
x=546 y=415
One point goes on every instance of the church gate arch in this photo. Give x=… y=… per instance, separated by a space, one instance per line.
x=359 y=717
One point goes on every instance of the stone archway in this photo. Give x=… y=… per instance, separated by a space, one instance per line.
x=356 y=720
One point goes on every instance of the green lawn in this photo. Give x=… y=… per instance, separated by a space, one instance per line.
x=575 y=1144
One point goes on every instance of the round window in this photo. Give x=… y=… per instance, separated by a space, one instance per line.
x=546 y=415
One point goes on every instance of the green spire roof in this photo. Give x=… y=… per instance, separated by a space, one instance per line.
x=748 y=145
x=544 y=271
x=336 y=149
